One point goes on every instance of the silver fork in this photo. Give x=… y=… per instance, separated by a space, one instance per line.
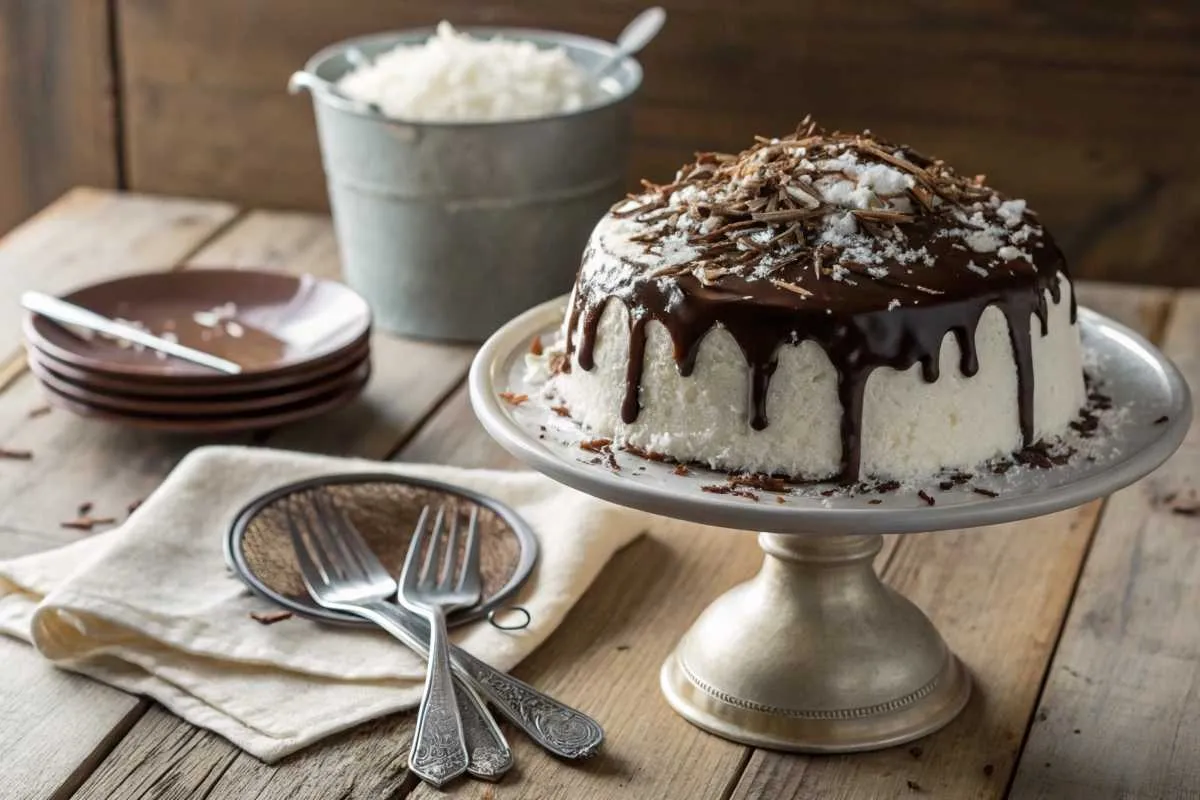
x=557 y=727
x=342 y=573
x=433 y=589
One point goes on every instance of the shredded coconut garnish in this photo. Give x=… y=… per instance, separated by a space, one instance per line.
x=455 y=77
x=794 y=211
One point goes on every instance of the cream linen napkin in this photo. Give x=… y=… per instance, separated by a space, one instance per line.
x=151 y=608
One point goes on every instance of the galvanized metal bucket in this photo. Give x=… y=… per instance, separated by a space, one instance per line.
x=451 y=229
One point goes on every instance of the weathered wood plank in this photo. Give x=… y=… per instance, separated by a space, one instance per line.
x=59 y=128
x=77 y=460
x=999 y=597
x=1118 y=715
x=91 y=235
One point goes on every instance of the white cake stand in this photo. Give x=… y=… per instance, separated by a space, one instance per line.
x=815 y=653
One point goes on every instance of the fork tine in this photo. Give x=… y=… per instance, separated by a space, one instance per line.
x=332 y=531
x=446 y=580
x=410 y=576
x=470 y=567
x=318 y=545
x=432 y=559
x=312 y=571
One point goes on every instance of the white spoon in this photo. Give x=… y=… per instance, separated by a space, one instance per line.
x=637 y=34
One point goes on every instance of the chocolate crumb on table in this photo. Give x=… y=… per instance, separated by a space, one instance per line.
x=40 y=411
x=84 y=509
x=1162 y=419
x=914 y=786
x=874 y=501
x=134 y=506
x=915 y=752
x=15 y=455
x=270 y=617
x=988 y=769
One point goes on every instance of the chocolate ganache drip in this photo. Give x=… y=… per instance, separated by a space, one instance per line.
x=869 y=249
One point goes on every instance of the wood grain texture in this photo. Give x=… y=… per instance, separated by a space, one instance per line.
x=77 y=460
x=58 y=129
x=999 y=596
x=92 y=235
x=1075 y=107
x=1117 y=717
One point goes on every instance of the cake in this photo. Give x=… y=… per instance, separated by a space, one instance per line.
x=822 y=306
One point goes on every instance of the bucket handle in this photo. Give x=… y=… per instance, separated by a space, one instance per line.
x=303 y=80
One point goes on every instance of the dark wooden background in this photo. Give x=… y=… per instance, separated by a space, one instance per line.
x=1088 y=108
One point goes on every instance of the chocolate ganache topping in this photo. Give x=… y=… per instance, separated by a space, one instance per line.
x=872 y=250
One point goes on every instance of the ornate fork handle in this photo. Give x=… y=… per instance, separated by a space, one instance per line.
x=489 y=756
x=557 y=727
x=439 y=749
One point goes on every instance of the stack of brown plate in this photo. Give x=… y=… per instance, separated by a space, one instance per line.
x=303 y=345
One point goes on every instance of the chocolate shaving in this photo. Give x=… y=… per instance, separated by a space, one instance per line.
x=595 y=445
x=926 y=496
x=681 y=469
x=984 y=492
x=766 y=483
x=270 y=617
x=84 y=509
x=40 y=411
x=562 y=411
x=535 y=346
x=719 y=489
x=1161 y=420
x=86 y=523
x=513 y=399
x=15 y=455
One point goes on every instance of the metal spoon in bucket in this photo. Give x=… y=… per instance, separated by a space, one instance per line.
x=302 y=79
x=637 y=34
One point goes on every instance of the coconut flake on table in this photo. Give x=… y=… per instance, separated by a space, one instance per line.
x=455 y=77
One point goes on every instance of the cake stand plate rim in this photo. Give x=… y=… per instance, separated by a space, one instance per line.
x=492 y=364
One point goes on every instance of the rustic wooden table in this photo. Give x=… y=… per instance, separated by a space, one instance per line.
x=1080 y=628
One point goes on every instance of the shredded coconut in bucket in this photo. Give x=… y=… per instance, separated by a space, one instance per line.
x=454 y=77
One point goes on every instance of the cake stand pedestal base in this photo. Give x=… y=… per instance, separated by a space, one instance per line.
x=815 y=654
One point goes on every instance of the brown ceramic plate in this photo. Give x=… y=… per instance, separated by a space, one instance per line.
x=232 y=405
x=384 y=509
x=283 y=323
x=159 y=386
x=223 y=423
